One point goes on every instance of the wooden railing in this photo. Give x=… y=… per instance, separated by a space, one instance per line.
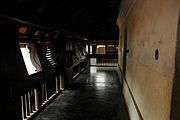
x=104 y=60
x=79 y=67
x=36 y=95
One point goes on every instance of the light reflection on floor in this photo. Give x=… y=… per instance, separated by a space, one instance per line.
x=100 y=77
x=93 y=70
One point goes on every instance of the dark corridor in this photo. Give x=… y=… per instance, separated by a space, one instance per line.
x=95 y=95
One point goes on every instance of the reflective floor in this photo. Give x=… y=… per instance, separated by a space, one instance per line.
x=95 y=95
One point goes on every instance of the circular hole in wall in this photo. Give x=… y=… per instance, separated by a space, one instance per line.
x=156 y=54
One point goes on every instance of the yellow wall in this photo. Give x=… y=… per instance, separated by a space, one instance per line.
x=151 y=25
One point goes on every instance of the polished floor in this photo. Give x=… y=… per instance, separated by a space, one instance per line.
x=95 y=95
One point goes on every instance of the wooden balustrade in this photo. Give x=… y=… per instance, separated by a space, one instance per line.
x=34 y=99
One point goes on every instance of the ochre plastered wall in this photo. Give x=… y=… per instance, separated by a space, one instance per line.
x=151 y=25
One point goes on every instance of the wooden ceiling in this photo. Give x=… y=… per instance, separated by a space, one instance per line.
x=93 y=19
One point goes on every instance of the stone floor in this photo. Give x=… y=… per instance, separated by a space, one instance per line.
x=95 y=95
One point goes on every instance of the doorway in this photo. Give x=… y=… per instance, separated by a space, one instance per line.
x=175 y=105
x=125 y=52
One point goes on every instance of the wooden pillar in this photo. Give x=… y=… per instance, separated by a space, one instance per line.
x=9 y=72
